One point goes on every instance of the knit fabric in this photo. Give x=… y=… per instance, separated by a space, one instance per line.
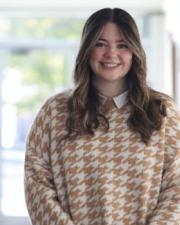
x=112 y=178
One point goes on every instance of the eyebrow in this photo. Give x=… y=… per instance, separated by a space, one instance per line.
x=118 y=41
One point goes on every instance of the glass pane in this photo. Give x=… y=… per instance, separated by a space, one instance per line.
x=12 y=190
x=28 y=80
x=41 y=28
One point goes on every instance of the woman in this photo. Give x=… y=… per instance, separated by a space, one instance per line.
x=108 y=151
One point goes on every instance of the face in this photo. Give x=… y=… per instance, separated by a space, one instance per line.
x=110 y=58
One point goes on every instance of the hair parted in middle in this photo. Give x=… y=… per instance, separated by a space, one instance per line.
x=147 y=106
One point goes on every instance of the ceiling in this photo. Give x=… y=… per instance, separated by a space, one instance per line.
x=77 y=7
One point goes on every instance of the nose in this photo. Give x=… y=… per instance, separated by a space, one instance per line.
x=111 y=52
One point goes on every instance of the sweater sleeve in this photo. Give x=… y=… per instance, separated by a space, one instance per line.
x=167 y=211
x=41 y=197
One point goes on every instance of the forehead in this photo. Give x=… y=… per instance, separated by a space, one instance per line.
x=111 y=31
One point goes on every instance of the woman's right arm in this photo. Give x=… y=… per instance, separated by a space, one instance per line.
x=41 y=197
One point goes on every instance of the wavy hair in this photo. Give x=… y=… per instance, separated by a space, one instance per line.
x=147 y=106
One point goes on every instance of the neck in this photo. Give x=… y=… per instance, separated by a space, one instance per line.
x=110 y=88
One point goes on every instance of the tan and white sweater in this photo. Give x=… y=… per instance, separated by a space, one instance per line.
x=111 y=178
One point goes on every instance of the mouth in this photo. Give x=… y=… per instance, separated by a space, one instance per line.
x=109 y=65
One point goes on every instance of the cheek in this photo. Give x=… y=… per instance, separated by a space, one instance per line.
x=95 y=54
x=92 y=63
x=129 y=59
x=94 y=59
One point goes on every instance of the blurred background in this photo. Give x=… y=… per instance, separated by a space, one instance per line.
x=38 y=46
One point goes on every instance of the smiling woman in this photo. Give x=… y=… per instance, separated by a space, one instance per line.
x=107 y=151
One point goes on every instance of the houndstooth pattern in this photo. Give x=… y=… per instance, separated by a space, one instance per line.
x=111 y=178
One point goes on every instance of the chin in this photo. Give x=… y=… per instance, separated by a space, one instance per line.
x=112 y=78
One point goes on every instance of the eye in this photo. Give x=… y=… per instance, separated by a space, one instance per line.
x=122 y=46
x=100 y=44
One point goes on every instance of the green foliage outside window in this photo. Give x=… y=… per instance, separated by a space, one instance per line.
x=43 y=72
x=42 y=28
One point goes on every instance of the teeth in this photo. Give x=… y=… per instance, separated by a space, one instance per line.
x=110 y=65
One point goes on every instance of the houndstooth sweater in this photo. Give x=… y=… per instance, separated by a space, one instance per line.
x=112 y=178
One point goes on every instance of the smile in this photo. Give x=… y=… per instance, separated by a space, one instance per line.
x=110 y=65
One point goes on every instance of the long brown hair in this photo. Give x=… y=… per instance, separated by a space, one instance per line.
x=147 y=106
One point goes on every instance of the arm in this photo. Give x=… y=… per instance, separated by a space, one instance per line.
x=167 y=211
x=41 y=198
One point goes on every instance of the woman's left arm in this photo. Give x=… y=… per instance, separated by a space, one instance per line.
x=167 y=211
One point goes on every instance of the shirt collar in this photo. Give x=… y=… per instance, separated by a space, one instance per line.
x=119 y=100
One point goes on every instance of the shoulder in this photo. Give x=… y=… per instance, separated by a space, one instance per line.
x=172 y=112
x=59 y=97
x=171 y=106
x=165 y=101
x=54 y=104
x=173 y=115
x=57 y=100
